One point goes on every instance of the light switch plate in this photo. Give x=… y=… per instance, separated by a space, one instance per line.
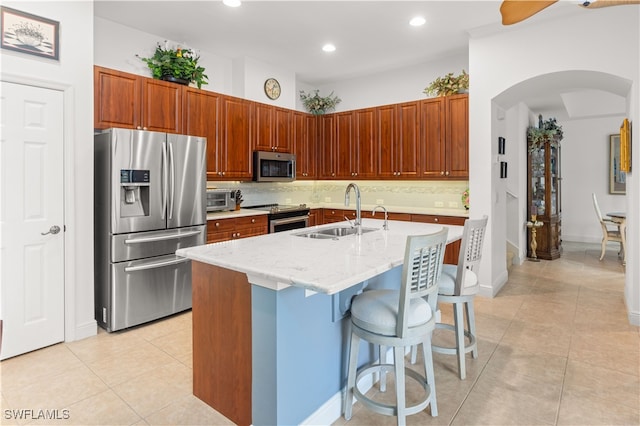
x=439 y=204
x=453 y=204
x=379 y=201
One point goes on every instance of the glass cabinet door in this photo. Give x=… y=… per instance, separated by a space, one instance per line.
x=538 y=182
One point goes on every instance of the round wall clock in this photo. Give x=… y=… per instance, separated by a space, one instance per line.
x=272 y=88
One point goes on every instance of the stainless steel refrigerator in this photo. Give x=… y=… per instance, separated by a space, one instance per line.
x=149 y=192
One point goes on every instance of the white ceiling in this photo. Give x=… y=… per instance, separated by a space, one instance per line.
x=370 y=36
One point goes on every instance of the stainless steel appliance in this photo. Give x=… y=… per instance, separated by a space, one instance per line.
x=221 y=200
x=149 y=201
x=274 y=167
x=285 y=217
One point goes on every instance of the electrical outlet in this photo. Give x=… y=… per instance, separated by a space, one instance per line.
x=287 y=200
x=453 y=204
x=439 y=204
x=327 y=199
x=380 y=201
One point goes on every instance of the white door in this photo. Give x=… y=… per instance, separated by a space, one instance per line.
x=32 y=210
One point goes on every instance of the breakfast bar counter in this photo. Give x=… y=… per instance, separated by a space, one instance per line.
x=269 y=327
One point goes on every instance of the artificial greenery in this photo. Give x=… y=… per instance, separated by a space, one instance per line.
x=448 y=85
x=547 y=130
x=178 y=63
x=318 y=105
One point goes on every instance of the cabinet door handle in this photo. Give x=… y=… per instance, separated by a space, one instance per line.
x=441 y=173
x=436 y=220
x=253 y=221
x=217 y=224
x=447 y=173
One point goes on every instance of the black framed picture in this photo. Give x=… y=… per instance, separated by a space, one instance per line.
x=30 y=34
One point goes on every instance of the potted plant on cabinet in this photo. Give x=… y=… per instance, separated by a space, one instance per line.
x=318 y=105
x=448 y=85
x=547 y=130
x=178 y=65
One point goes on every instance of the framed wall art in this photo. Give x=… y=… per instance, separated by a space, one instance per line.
x=617 y=178
x=30 y=34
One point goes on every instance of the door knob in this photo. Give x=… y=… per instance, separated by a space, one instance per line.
x=53 y=230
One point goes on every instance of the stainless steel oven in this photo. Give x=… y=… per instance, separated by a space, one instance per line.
x=285 y=217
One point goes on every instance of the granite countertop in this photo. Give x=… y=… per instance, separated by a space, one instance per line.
x=328 y=266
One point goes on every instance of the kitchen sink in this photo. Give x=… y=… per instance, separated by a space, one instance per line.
x=335 y=232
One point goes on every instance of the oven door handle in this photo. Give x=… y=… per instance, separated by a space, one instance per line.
x=290 y=220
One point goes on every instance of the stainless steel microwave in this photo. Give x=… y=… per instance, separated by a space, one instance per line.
x=273 y=167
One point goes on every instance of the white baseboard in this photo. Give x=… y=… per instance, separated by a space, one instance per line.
x=82 y=331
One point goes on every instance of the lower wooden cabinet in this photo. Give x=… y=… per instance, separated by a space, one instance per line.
x=234 y=228
x=453 y=249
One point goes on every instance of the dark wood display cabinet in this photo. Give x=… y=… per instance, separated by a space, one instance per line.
x=544 y=198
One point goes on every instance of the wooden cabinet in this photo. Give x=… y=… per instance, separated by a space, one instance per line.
x=336 y=215
x=326 y=147
x=398 y=140
x=315 y=217
x=234 y=228
x=283 y=130
x=453 y=249
x=353 y=145
x=304 y=130
x=263 y=126
x=135 y=102
x=202 y=118
x=234 y=159
x=444 y=124
x=364 y=144
x=272 y=128
x=544 y=189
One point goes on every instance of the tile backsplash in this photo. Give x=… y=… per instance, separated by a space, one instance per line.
x=428 y=194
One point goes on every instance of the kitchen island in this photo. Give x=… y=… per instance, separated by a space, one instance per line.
x=269 y=327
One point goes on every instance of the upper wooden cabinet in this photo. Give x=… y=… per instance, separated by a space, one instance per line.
x=457 y=137
x=364 y=144
x=445 y=136
x=283 y=130
x=304 y=134
x=202 y=118
x=326 y=147
x=236 y=145
x=136 y=102
x=398 y=140
x=272 y=128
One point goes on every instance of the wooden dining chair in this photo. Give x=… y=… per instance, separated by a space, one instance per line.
x=611 y=231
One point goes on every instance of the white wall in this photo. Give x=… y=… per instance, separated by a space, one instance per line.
x=394 y=86
x=116 y=47
x=73 y=72
x=606 y=41
x=585 y=169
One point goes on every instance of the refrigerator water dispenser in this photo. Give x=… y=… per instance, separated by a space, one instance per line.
x=134 y=193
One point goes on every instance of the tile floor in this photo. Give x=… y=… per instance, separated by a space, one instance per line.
x=555 y=348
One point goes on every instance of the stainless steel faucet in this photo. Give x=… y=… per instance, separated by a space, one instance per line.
x=386 y=216
x=358 y=221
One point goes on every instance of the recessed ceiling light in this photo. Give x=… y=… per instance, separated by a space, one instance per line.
x=417 y=21
x=231 y=3
x=328 y=47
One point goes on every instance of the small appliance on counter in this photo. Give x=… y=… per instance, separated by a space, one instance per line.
x=219 y=200
x=149 y=202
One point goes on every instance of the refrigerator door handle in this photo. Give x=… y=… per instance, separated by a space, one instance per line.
x=172 y=180
x=164 y=179
x=161 y=237
x=154 y=265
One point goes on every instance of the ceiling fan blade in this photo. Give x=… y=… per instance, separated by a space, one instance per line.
x=514 y=11
x=606 y=3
